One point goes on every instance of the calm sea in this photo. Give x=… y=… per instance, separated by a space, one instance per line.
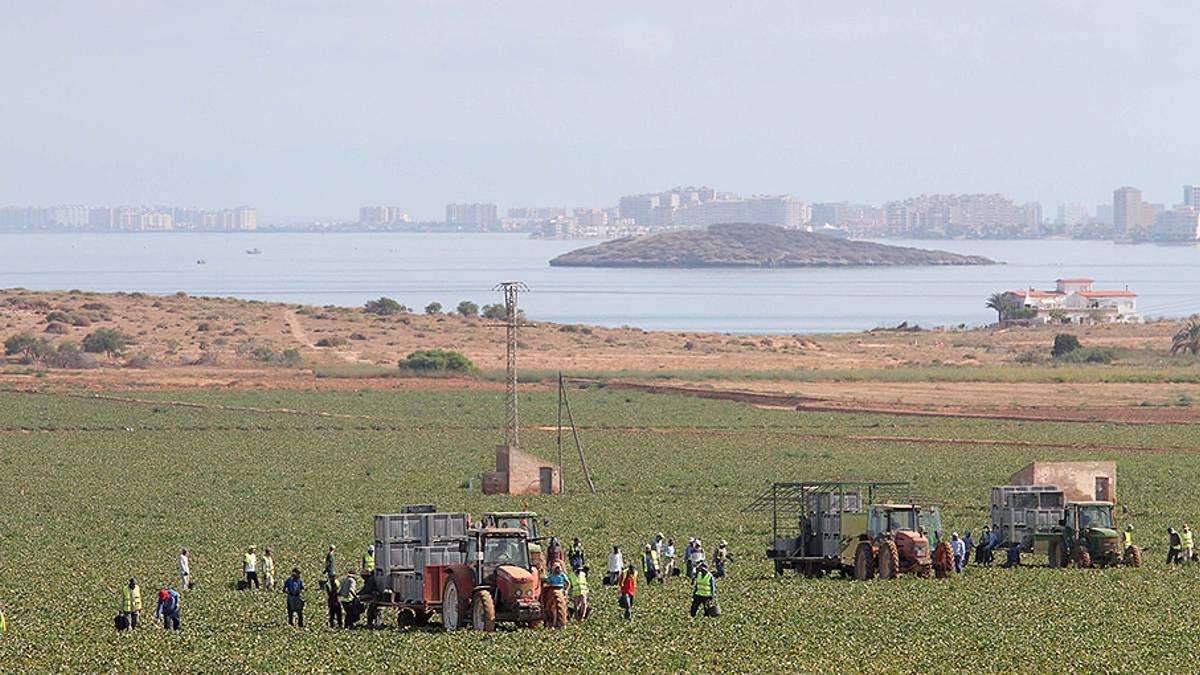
x=349 y=269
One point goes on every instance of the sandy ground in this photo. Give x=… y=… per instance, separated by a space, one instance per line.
x=230 y=337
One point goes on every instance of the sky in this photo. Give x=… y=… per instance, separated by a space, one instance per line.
x=308 y=110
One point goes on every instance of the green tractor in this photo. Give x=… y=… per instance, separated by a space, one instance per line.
x=1089 y=538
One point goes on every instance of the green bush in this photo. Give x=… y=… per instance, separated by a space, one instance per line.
x=1089 y=355
x=384 y=306
x=496 y=312
x=468 y=308
x=106 y=341
x=1064 y=343
x=437 y=360
x=433 y=308
x=333 y=341
x=291 y=358
x=69 y=355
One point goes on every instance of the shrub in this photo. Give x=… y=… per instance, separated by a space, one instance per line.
x=384 y=307
x=138 y=361
x=468 y=308
x=334 y=341
x=437 y=360
x=106 y=341
x=56 y=328
x=1064 y=343
x=1089 y=355
x=68 y=355
x=496 y=312
x=59 y=316
x=433 y=308
x=291 y=358
x=28 y=347
x=357 y=336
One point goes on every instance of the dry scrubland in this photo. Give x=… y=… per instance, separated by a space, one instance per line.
x=111 y=469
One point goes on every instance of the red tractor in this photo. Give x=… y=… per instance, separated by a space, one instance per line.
x=893 y=543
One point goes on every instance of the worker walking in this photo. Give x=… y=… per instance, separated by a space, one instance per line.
x=347 y=594
x=1188 y=542
x=332 y=605
x=960 y=551
x=616 y=563
x=131 y=604
x=627 y=583
x=295 y=601
x=168 y=609
x=268 y=569
x=578 y=580
x=704 y=591
x=185 y=571
x=1175 y=549
x=250 y=567
x=650 y=563
x=368 y=561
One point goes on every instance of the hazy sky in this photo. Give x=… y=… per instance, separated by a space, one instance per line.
x=310 y=109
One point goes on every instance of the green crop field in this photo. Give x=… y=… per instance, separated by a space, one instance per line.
x=97 y=490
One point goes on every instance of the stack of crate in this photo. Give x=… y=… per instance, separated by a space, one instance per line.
x=405 y=543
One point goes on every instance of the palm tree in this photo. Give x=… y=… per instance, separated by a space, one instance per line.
x=1188 y=337
x=1003 y=303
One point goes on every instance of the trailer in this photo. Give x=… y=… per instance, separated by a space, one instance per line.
x=1028 y=515
x=857 y=528
x=433 y=562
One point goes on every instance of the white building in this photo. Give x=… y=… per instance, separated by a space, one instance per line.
x=1075 y=301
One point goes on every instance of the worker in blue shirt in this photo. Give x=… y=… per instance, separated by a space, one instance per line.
x=558 y=578
x=168 y=608
x=295 y=601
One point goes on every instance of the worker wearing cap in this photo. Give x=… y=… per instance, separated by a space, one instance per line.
x=131 y=602
x=704 y=589
x=650 y=563
x=347 y=594
x=168 y=608
x=577 y=578
x=721 y=558
x=1128 y=539
x=1189 y=543
x=250 y=567
x=294 y=587
x=627 y=583
x=268 y=568
x=368 y=561
x=332 y=605
x=1175 y=552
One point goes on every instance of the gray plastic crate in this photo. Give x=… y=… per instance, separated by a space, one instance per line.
x=437 y=555
x=399 y=527
x=418 y=508
x=408 y=586
x=442 y=527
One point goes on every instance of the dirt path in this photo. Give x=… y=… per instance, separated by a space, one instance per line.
x=298 y=332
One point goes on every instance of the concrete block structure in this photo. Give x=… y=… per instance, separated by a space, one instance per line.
x=1079 y=481
x=520 y=473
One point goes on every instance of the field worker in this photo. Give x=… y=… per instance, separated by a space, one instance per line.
x=1128 y=538
x=185 y=570
x=627 y=584
x=722 y=556
x=669 y=558
x=959 y=549
x=704 y=589
x=579 y=591
x=1189 y=543
x=983 y=551
x=575 y=554
x=332 y=605
x=616 y=563
x=650 y=563
x=1014 y=555
x=658 y=543
x=556 y=578
x=168 y=609
x=268 y=569
x=968 y=548
x=295 y=601
x=330 y=566
x=250 y=566
x=3 y=619
x=347 y=593
x=687 y=557
x=697 y=556
x=368 y=561
x=1175 y=549
x=131 y=603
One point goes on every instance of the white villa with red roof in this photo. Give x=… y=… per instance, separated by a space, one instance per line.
x=1075 y=301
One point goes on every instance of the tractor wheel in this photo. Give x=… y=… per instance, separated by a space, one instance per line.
x=1133 y=556
x=864 y=562
x=555 y=611
x=1083 y=559
x=373 y=612
x=406 y=618
x=454 y=613
x=889 y=560
x=483 y=612
x=778 y=568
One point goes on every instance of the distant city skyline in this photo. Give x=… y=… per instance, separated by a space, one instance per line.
x=539 y=102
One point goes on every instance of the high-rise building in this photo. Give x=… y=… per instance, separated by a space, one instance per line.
x=1072 y=214
x=639 y=208
x=1180 y=224
x=245 y=218
x=474 y=215
x=1130 y=213
x=1191 y=196
x=1032 y=212
x=782 y=210
x=382 y=215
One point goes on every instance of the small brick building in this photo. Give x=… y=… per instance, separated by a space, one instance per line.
x=520 y=473
x=1080 y=481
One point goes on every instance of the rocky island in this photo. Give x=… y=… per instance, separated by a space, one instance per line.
x=752 y=245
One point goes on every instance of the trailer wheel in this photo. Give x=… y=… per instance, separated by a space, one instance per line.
x=1133 y=556
x=406 y=618
x=483 y=611
x=453 y=613
x=1054 y=555
x=864 y=562
x=889 y=559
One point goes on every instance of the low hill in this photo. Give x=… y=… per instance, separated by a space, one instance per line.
x=752 y=245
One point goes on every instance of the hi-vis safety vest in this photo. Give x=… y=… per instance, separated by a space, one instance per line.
x=704 y=586
x=368 y=563
x=579 y=583
x=1128 y=539
x=1186 y=538
x=251 y=562
x=131 y=599
x=268 y=567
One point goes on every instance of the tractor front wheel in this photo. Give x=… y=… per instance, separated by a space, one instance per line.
x=454 y=614
x=483 y=611
x=555 y=609
x=1133 y=556
x=864 y=562
x=889 y=559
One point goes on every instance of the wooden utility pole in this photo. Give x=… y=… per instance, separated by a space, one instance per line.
x=565 y=403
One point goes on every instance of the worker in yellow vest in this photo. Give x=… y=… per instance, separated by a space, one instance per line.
x=579 y=592
x=131 y=603
x=268 y=569
x=704 y=589
x=368 y=562
x=1189 y=543
x=3 y=619
x=250 y=567
x=1128 y=539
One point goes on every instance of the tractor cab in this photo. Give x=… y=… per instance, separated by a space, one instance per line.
x=1089 y=526
x=521 y=520
x=903 y=524
x=493 y=548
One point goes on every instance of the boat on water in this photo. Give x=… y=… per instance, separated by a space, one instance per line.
x=254 y=251
x=202 y=261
